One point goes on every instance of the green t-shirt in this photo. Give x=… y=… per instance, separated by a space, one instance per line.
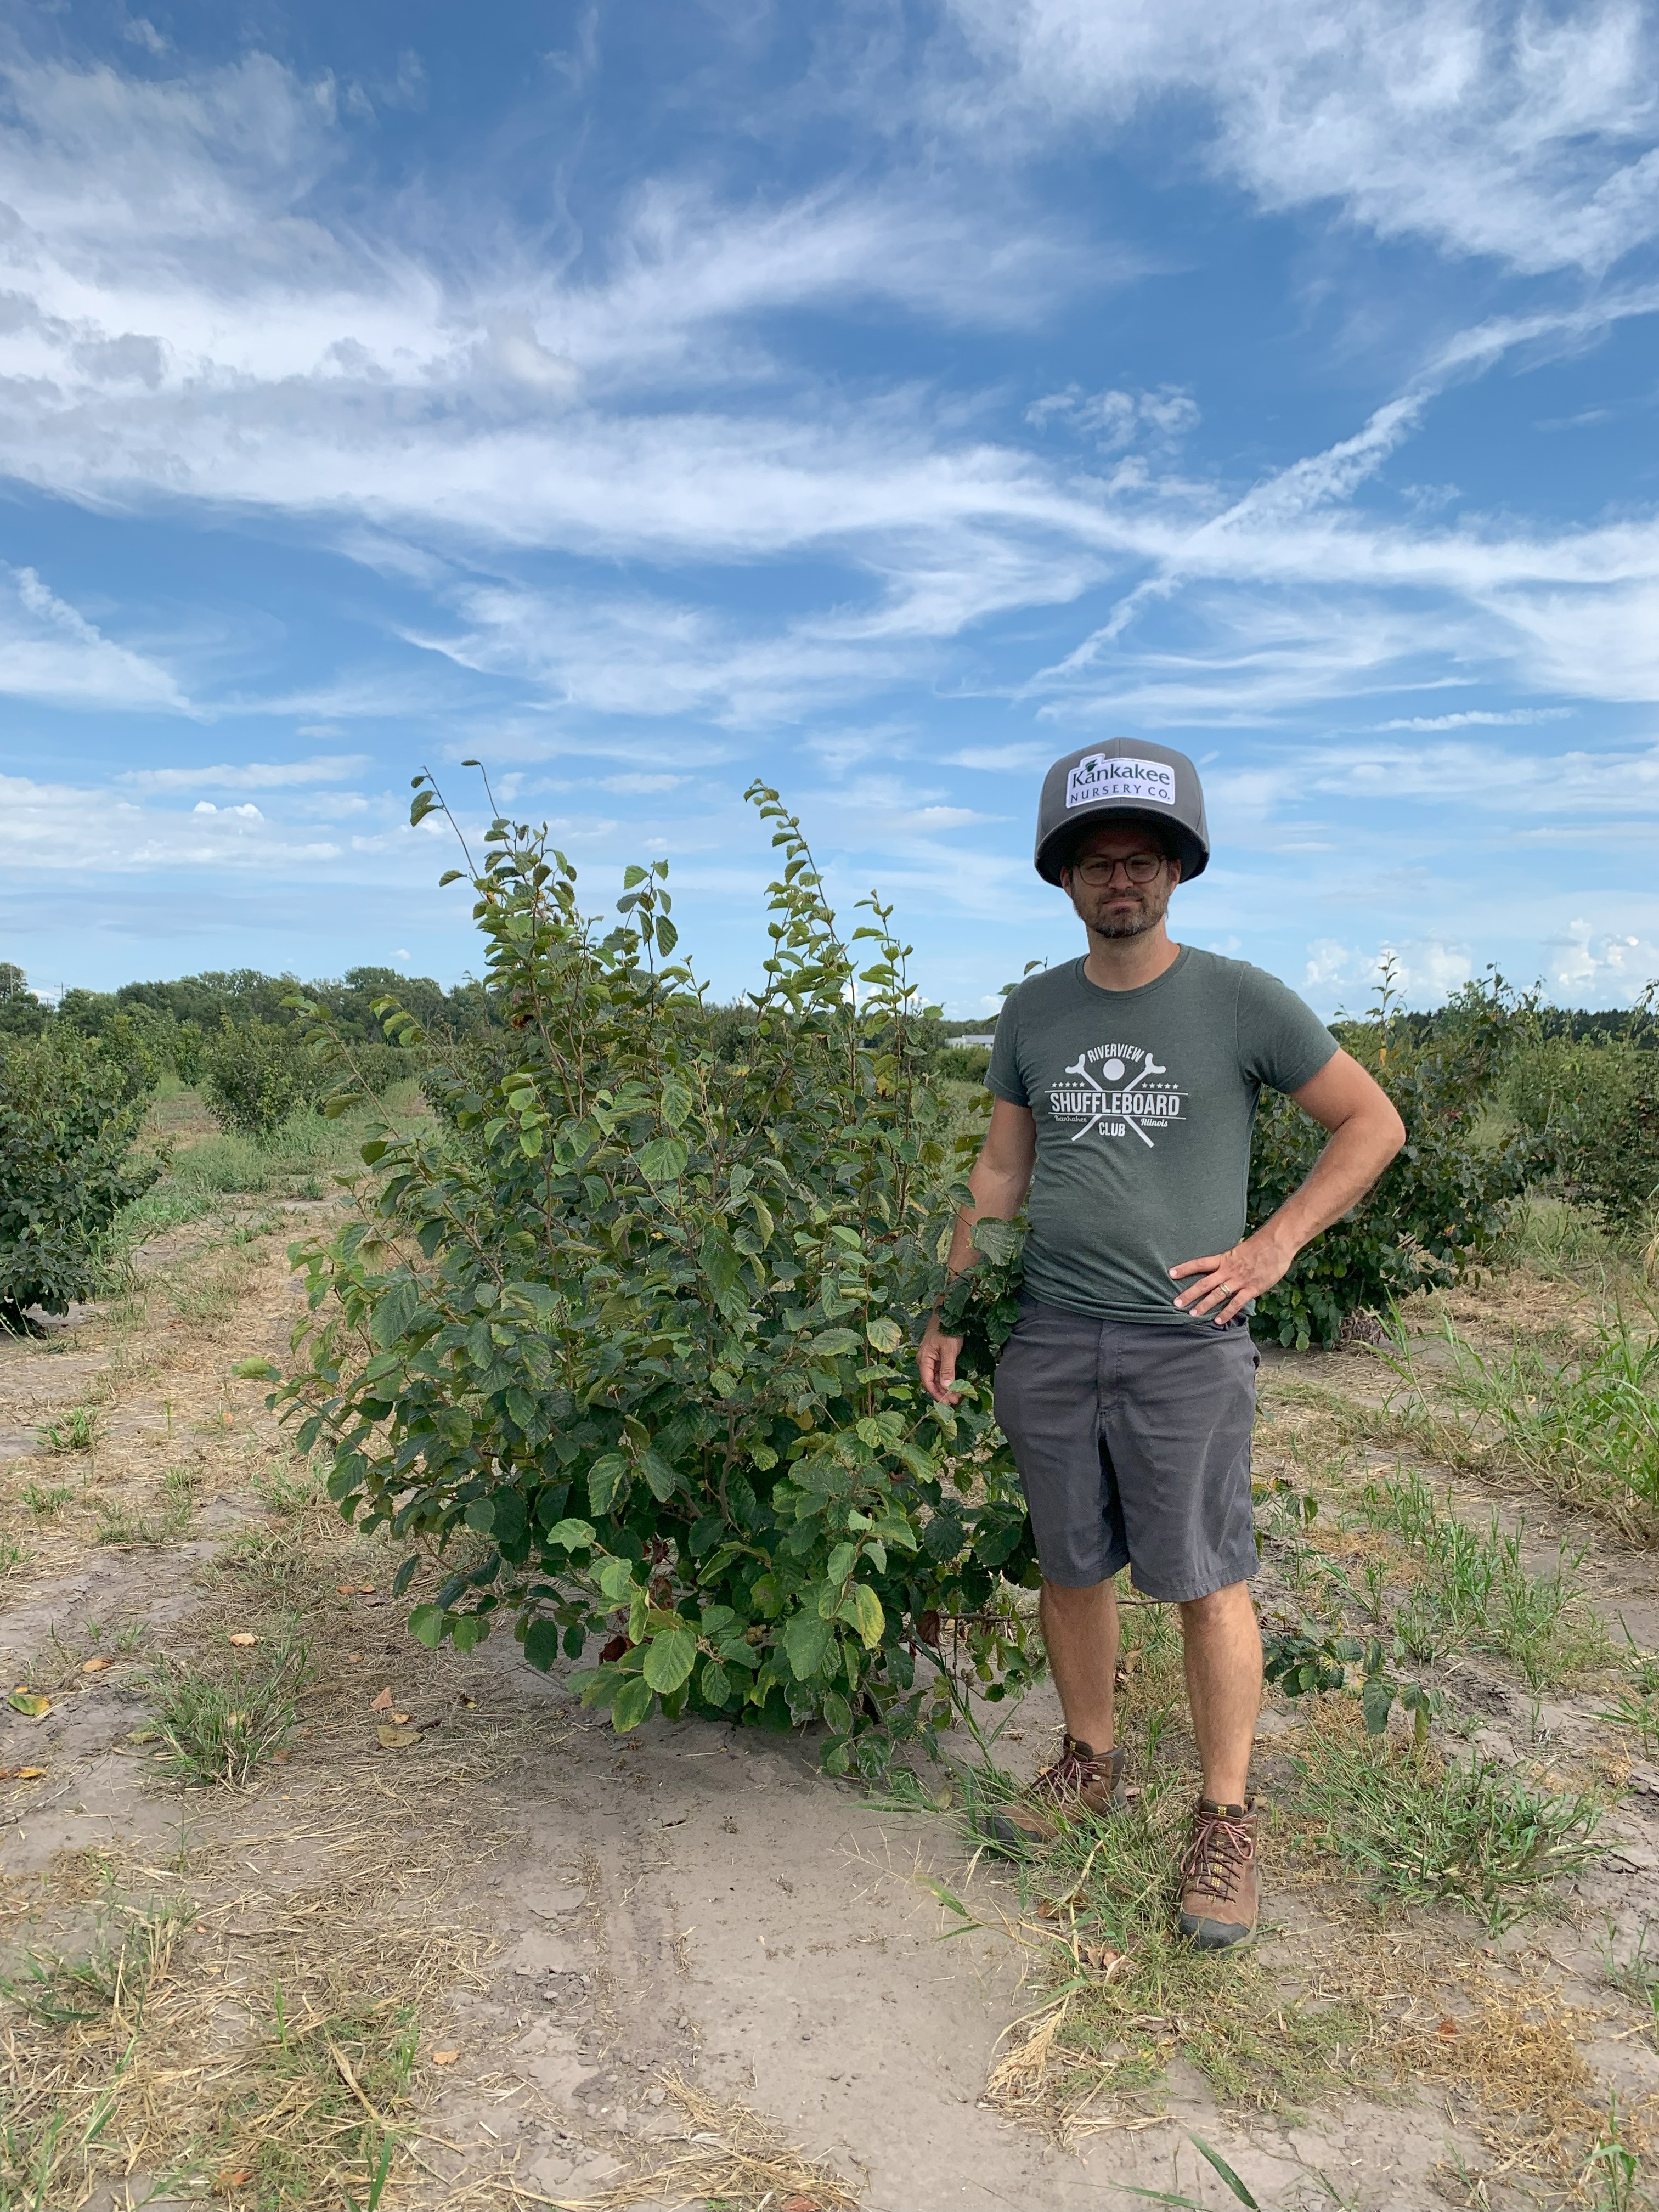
x=1144 y=1102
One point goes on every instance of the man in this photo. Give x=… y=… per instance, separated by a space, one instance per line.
x=1125 y=1084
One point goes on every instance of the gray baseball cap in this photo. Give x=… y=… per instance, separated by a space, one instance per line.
x=1126 y=777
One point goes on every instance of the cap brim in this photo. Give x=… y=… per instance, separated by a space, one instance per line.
x=1194 y=856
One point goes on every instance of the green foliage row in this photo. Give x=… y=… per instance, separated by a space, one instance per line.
x=69 y=1110
x=256 y=1076
x=636 y=1326
x=1592 y=1107
x=1441 y=1204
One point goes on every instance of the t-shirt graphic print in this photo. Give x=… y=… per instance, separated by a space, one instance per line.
x=1143 y=1102
x=1116 y=1090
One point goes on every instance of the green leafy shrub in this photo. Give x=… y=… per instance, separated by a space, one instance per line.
x=69 y=1110
x=189 y=1044
x=1593 y=1107
x=256 y=1075
x=1442 y=1203
x=961 y=1063
x=636 y=1323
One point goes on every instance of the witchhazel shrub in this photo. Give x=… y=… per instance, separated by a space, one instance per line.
x=256 y=1073
x=635 y=1325
x=1442 y=1203
x=1592 y=1105
x=71 y=1107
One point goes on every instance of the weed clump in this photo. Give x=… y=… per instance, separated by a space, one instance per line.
x=1423 y=1829
x=1476 y=1592
x=219 y=1730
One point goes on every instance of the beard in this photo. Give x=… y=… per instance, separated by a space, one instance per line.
x=1150 y=908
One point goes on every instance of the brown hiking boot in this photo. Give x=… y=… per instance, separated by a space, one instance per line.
x=1220 y=1894
x=1077 y=1783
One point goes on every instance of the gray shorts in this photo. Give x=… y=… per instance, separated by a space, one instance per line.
x=1132 y=1442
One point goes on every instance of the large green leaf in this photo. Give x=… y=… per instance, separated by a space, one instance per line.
x=807 y=1643
x=663 y=1160
x=633 y=1701
x=669 y=1659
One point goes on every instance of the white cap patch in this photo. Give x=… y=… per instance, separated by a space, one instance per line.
x=1113 y=776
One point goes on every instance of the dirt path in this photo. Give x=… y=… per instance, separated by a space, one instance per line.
x=683 y=1968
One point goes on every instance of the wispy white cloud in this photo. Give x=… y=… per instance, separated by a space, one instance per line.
x=50 y=652
x=1491 y=717
x=189 y=329
x=250 y=775
x=1491 y=130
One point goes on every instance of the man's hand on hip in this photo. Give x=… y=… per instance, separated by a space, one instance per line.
x=1224 y=1284
x=936 y=1358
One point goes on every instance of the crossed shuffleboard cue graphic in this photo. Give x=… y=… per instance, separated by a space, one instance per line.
x=1103 y=1109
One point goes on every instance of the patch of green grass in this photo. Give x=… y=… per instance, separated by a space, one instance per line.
x=131 y=1949
x=12 y=1553
x=181 y=1484
x=219 y=1726
x=287 y=1495
x=76 y=1431
x=1585 y=1426
x=1552 y=1236
x=39 y=2155
x=328 y=2145
x=1476 y=1593
x=275 y=1556
x=46 y=1503
x=115 y=1525
x=297 y=1157
x=1134 y=1998
x=1421 y=1829
x=1638 y=1975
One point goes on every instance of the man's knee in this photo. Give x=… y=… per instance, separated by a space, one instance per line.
x=1215 y=1608
x=1078 y=1597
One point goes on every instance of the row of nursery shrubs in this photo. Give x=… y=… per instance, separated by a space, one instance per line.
x=634 y=1313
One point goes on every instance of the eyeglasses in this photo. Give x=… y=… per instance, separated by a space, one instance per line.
x=1097 y=872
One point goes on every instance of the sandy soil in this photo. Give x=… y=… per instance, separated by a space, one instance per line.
x=631 y=1961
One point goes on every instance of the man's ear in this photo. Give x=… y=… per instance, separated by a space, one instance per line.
x=1174 y=870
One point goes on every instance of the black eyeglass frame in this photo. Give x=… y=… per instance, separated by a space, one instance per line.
x=1140 y=869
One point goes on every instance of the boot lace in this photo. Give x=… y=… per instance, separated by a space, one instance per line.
x=1222 y=1848
x=1072 y=1771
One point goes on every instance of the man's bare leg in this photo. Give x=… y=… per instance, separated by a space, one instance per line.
x=1080 y=1631
x=1223 y=1648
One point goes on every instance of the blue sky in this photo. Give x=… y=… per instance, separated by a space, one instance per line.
x=884 y=398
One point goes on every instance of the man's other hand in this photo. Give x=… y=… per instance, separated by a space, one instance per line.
x=936 y=1358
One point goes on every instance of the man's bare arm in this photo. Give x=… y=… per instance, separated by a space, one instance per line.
x=1366 y=1135
x=1001 y=1179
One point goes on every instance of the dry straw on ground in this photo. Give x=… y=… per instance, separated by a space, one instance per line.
x=732 y=2157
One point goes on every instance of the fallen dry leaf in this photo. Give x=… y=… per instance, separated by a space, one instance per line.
x=355 y=1589
x=279 y=1757
x=800 y=2204
x=464 y=1700
x=393 y=1737
x=29 y=1773
x=30 y=1703
x=95 y=1666
x=383 y=1702
x=143 y=1735
x=355 y=1657
x=445 y=2057
x=1448 y=2029
x=1100 y=1959
x=402 y=1719
x=244 y=1639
